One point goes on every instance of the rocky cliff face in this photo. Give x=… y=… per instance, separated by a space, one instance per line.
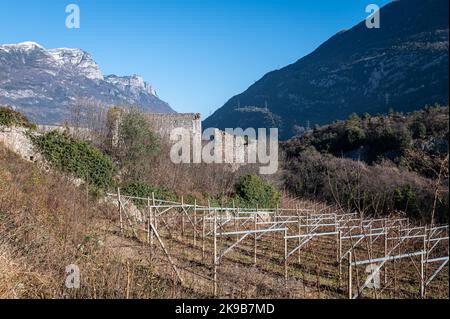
x=403 y=65
x=43 y=84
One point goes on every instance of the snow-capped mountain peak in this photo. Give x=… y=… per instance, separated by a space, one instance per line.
x=44 y=83
x=134 y=83
x=23 y=46
x=76 y=58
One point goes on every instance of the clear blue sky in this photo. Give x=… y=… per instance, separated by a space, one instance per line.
x=196 y=53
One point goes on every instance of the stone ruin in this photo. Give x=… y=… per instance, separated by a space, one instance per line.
x=162 y=124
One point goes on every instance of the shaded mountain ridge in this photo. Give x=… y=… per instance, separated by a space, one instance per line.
x=402 y=65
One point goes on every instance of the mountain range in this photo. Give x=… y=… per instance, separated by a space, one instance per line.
x=44 y=83
x=401 y=65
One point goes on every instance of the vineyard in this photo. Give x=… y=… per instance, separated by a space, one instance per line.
x=305 y=251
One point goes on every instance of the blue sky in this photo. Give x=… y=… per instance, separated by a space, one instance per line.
x=197 y=54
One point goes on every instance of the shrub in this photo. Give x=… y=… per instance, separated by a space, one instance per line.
x=137 y=144
x=405 y=199
x=393 y=152
x=355 y=136
x=251 y=191
x=366 y=116
x=78 y=158
x=215 y=201
x=9 y=117
x=144 y=190
x=354 y=119
x=442 y=209
x=419 y=130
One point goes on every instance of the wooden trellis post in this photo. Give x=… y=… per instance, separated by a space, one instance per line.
x=236 y=220
x=195 y=222
x=120 y=210
x=285 y=255
x=274 y=234
x=255 y=222
x=299 y=233
x=386 y=233
x=307 y=228
x=149 y=220
x=422 y=276
x=203 y=234
x=215 y=254
x=175 y=269
x=182 y=217
x=350 y=274
x=155 y=216
x=423 y=256
x=340 y=255
x=394 y=261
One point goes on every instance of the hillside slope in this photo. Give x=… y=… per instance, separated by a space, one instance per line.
x=376 y=164
x=404 y=65
x=48 y=223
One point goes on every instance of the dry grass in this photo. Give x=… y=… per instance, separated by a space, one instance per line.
x=18 y=280
x=46 y=223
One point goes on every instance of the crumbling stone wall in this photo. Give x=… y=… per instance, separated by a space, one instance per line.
x=163 y=124
x=16 y=140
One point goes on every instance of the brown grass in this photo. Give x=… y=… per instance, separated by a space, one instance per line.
x=46 y=223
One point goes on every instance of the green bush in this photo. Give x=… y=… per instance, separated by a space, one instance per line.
x=251 y=191
x=78 y=158
x=144 y=190
x=137 y=144
x=355 y=136
x=419 y=130
x=9 y=117
x=442 y=209
x=218 y=201
x=405 y=199
x=354 y=119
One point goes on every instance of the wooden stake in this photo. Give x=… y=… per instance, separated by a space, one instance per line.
x=148 y=228
x=215 y=254
x=120 y=210
x=285 y=256
x=155 y=217
x=422 y=276
x=255 y=237
x=182 y=217
x=299 y=233
x=175 y=269
x=274 y=234
x=338 y=247
x=350 y=274
x=422 y=265
x=203 y=235
x=237 y=224
x=195 y=222
x=339 y=256
x=128 y=280
x=307 y=228
x=385 y=250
